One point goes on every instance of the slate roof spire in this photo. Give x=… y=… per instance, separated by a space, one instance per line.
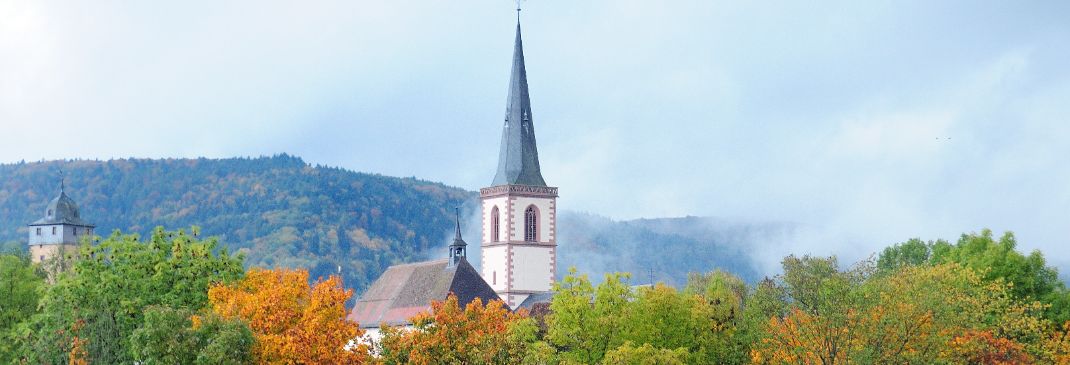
x=458 y=248
x=518 y=158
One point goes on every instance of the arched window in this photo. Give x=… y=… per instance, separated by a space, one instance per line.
x=531 y=224
x=494 y=224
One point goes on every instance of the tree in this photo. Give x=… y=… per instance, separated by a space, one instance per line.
x=177 y=336
x=293 y=322
x=103 y=298
x=19 y=292
x=448 y=334
x=628 y=354
x=912 y=315
x=585 y=322
x=1029 y=276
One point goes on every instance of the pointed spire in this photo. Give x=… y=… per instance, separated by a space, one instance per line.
x=457 y=214
x=518 y=158
x=458 y=249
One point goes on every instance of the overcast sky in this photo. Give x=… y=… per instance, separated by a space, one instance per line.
x=869 y=122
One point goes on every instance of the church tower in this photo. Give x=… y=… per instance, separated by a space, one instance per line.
x=59 y=233
x=519 y=209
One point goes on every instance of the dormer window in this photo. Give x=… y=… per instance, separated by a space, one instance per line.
x=50 y=213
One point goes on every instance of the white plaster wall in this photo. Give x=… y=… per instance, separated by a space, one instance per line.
x=64 y=234
x=532 y=268
x=545 y=206
x=495 y=259
x=503 y=216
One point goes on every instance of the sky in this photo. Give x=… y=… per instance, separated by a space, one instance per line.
x=865 y=122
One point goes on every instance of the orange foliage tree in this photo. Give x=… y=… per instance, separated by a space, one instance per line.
x=294 y=323
x=477 y=334
x=981 y=347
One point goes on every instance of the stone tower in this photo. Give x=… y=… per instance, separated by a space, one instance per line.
x=59 y=233
x=519 y=209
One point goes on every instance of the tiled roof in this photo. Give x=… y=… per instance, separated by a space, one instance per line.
x=406 y=290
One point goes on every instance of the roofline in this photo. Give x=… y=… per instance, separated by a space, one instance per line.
x=35 y=224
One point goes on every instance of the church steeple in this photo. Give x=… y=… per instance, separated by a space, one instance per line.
x=458 y=248
x=518 y=159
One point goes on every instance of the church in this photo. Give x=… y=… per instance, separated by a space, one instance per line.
x=519 y=245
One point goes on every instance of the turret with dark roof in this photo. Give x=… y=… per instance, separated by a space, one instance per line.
x=518 y=159
x=61 y=210
x=60 y=231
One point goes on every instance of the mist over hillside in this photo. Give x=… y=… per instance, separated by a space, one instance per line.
x=662 y=249
x=281 y=211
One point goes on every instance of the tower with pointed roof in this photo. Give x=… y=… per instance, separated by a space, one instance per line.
x=519 y=252
x=60 y=231
x=458 y=249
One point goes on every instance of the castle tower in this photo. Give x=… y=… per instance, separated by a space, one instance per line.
x=59 y=233
x=519 y=209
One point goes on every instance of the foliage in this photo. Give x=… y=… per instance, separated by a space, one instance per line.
x=914 y=315
x=176 y=336
x=1029 y=276
x=293 y=322
x=102 y=299
x=279 y=210
x=477 y=334
x=20 y=284
x=627 y=354
x=981 y=347
x=585 y=322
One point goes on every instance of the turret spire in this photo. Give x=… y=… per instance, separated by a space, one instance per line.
x=518 y=158
x=458 y=248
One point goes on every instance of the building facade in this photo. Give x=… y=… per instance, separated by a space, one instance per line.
x=57 y=235
x=519 y=243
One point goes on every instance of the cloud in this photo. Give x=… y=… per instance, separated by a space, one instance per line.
x=830 y=116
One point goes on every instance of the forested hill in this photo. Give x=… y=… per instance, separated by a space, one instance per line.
x=279 y=210
x=282 y=212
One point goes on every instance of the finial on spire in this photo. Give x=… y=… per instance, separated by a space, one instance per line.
x=61 y=181
x=518 y=11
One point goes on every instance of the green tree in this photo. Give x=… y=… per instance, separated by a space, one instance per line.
x=102 y=300
x=177 y=336
x=20 y=284
x=628 y=354
x=585 y=322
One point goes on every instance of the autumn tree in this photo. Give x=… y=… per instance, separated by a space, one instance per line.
x=449 y=334
x=293 y=322
x=915 y=315
x=994 y=259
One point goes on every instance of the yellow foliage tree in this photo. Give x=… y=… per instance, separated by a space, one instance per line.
x=918 y=315
x=294 y=323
